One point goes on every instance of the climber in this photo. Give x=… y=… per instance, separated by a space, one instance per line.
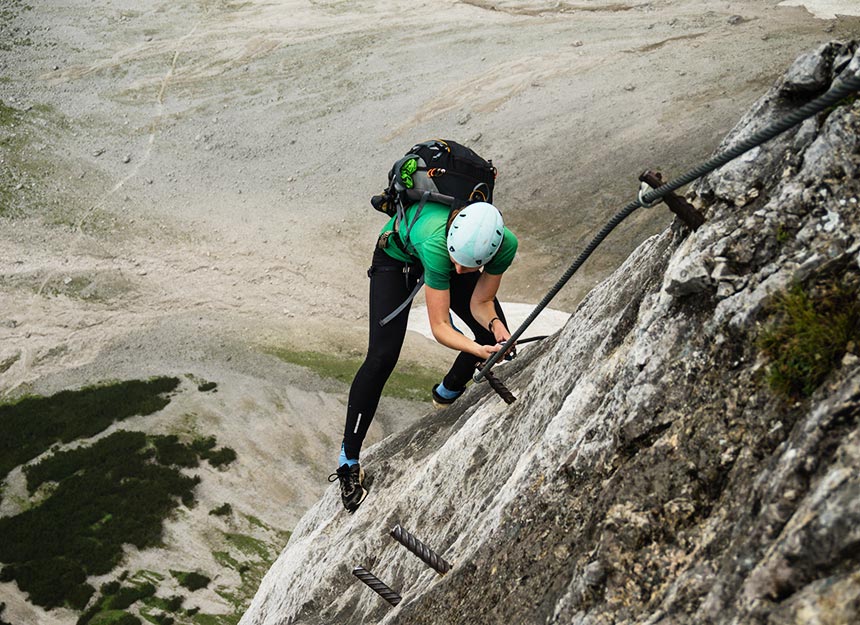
x=463 y=254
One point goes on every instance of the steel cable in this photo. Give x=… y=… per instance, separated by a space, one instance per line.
x=843 y=89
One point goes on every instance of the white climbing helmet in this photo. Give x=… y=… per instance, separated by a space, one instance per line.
x=475 y=234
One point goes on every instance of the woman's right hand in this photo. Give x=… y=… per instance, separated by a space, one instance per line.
x=485 y=351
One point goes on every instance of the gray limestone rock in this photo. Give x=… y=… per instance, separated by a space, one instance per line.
x=811 y=71
x=647 y=473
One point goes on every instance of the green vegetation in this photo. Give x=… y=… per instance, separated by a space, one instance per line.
x=409 y=381
x=216 y=619
x=169 y=450
x=221 y=457
x=115 y=617
x=31 y=425
x=125 y=596
x=191 y=579
x=8 y=115
x=223 y=510
x=248 y=545
x=117 y=490
x=143 y=576
x=324 y=365
x=86 y=502
x=812 y=331
x=205 y=448
x=114 y=492
x=116 y=598
x=171 y=604
x=249 y=557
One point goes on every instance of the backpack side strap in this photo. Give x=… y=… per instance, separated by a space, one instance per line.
x=408 y=301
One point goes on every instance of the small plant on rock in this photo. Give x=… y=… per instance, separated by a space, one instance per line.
x=814 y=328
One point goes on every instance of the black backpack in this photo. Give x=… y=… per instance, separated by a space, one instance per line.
x=437 y=171
x=440 y=171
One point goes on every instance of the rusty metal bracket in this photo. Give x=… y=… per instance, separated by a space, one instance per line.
x=499 y=387
x=377 y=586
x=427 y=555
x=678 y=205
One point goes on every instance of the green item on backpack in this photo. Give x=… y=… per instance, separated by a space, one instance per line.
x=406 y=171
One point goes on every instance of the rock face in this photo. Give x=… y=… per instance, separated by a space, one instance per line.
x=647 y=473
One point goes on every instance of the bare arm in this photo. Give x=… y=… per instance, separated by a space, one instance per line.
x=482 y=307
x=438 y=307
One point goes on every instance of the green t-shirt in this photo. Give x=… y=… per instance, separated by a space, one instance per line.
x=427 y=238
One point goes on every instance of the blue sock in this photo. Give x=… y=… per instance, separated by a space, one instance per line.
x=343 y=460
x=447 y=394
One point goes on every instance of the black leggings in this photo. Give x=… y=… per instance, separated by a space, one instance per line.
x=389 y=287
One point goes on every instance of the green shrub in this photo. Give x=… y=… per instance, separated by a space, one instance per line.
x=80 y=596
x=191 y=580
x=30 y=425
x=224 y=510
x=206 y=448
x=110 y=588
x=88 y=616
x=203 y=445
x=101 y=456
x=127 y=595
x=170 y=451
x=813 y=329
x=220 y=457
x=118 y=490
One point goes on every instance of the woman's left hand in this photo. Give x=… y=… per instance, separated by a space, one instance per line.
x=500 y=332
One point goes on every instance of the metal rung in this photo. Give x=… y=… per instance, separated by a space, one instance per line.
x=376 y=585
x=427 y=555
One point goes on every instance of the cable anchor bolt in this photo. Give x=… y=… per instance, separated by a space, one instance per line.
x=678 y=205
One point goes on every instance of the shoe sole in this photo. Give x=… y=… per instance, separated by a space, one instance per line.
x=363 y=491
x=363 y=497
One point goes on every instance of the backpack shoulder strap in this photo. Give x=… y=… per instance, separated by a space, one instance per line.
x=401 y=218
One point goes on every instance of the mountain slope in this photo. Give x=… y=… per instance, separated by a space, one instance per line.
x=649 y=472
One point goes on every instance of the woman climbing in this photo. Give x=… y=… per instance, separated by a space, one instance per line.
x=463 y=254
